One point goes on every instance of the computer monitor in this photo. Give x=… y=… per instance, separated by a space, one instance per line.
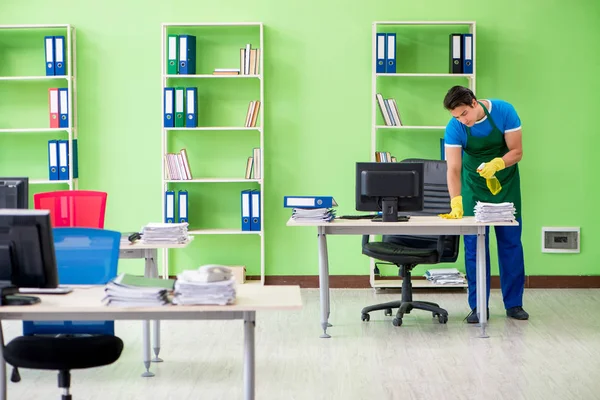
x=27 y=257
x=14 y=192
x=389 y=187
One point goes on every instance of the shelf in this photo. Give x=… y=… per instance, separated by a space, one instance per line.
x=424 y=23
x=47 y=182
x=215 y=128
x=410 y=127
x=222 y=232
x=198 y=24
x=425 y=75
x=64 y=26
x=33 y=130
x=212 y=180
x=33 y=78
x=210 y=76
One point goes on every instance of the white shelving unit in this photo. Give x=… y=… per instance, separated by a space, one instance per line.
x=165 y=79
x=470 y=79
x=68 y=31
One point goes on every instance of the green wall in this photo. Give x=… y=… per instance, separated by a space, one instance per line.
x=318 y=113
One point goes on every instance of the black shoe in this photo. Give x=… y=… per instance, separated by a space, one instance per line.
x=473 y=318
x=517 y=313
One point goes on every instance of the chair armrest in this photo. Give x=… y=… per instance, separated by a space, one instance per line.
x=365 y=240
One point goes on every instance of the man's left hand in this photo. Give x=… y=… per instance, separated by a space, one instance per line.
x=490 y=168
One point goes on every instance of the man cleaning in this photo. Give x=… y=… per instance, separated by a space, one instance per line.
x=483 y=146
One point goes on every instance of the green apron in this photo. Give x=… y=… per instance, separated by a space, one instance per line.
x=474 y=188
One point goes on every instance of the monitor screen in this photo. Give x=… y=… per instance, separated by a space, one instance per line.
x=27 y=257
x=390 y=188
x=14 y=192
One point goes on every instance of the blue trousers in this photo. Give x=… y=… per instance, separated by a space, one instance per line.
x=510 y=260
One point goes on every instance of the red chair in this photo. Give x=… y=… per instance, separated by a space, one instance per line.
x=73 y=208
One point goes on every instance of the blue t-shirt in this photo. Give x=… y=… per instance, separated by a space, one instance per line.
x=503 y=113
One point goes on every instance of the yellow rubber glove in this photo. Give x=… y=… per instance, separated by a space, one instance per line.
x=457 y=209
x=490 y=168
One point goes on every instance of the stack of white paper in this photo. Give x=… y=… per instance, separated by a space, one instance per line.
x=157 y=232
x=313 y=214
x=444 y=276
x=494 y=212
x=207 y=285
x=132 y=291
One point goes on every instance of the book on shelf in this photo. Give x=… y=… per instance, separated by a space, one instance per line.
x=226 y=71
x=253 y=167
x=249 y=60
x=178 y=166
x=389 y=111
x=252 y=114
x=384 y=156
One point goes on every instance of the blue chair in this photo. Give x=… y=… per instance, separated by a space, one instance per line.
x=84 y=256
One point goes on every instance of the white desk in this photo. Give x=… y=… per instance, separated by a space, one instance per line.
x=86 y=305
x=417 y=225
x=149 y=252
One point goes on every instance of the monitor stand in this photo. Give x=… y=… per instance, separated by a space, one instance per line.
x=389 y=209
x=9 y=296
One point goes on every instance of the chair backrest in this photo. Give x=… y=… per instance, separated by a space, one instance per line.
x=73 y=208
x=436 y=201
x=84 y=256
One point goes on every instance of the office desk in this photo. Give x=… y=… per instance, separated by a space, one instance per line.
x=149 y=252
x=85 y=304
x=417 y=225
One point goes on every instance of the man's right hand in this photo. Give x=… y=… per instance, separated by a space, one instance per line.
x=457 y=209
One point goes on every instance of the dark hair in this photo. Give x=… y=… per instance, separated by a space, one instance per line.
x=458 y=96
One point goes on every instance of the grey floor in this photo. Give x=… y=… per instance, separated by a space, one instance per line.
x=554 y=355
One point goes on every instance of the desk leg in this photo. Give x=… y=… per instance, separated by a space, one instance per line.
x=249 y=360
x=481 y=281
x=324 y=281
x=151 y=271
x=2 y=367
x=146 y=348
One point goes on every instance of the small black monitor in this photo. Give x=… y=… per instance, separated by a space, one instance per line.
x=14 y=192
x=390 y=188
x=27 y=257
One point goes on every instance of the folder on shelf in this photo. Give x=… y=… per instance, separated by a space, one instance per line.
x=179 y=107
x=456 y=53
x=246 y=209
x=172 y=54
x=169 y=206
x=255 y=210
x=390 y=67
x=309 y=202
x=59 y=55
x=53 y=160
x=63 y=107
x=187 y=54
x=380 y=51
x=182 y=206
x=191 y=100
x=49 y=47
x=467 y=53
x=63 y=159
x=53 y=107
x=169 y=111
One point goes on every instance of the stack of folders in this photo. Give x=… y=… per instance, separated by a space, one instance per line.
x=251 y=210
x=58 y=160
x=179 y=215
x=389 y=111
x=181 y=54
x=461 y=53
x=253 y=165
x=385 y=50
x=311 y=208
x=58 y=107
x=138 y=291
x=165 y=233
x=180 y=107
x=444 y=276
x=54 y=48
x=178 y=166
x=252 y=114
x=490 y=212
x=210 y=284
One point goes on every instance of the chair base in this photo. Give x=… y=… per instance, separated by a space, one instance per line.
x=406 y=308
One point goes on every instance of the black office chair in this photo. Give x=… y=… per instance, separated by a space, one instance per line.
x=63 y=353
x=407 y=251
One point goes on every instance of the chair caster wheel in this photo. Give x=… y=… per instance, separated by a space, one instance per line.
x=365 y=317
x=442 y=319
x=388 y=312
x=435 y=315
x=397 y=321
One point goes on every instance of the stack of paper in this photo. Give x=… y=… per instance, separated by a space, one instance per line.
x=155 y=232
x=210 y=284
x=313 y=214
x=494 y=212
x=444 y=276
x=137 y=291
